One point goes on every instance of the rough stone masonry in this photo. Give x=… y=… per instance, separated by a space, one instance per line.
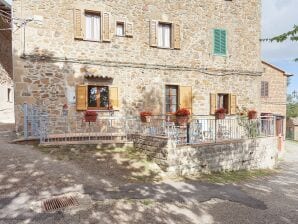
x=50 y=60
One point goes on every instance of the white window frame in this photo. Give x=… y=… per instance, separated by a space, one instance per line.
x=94 y=18
x=161 y=32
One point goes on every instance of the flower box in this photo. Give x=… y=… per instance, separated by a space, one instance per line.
x=182 y=116
x=90 y=116
x=220 y=113
x=252 y=115
x=145 y=117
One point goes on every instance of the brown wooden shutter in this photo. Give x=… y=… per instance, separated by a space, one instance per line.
x=213 y=103
x=185 y=97
x=77 y=19
x=114 y=97
x=176 y=36
x=106 y=27
x=233 y=104
x=153 y=33
x=82 y=97
x=129 y=29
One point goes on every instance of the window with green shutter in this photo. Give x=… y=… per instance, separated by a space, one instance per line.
x=220 y=42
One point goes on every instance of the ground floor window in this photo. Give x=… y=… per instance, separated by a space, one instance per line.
x=98 y=97
x=171 y=98
x=223 y=101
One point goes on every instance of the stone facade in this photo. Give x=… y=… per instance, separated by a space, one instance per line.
x=6 y=82
x=53 y=62
x=260 y=153
x=276 y=101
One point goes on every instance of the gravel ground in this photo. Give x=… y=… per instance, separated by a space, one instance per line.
x=119 y=187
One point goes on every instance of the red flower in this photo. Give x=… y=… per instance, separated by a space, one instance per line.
x=182 y=112
x=220 y=111
x=145 y=113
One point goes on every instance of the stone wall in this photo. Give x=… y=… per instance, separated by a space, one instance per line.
x=6 y=82
x=55 y=62
x=156 y=148
x=260 y=153
x=276 y=102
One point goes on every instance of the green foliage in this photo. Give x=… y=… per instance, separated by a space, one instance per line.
x=291 y=35
x=292 y=106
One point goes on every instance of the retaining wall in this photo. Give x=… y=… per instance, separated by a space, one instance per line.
x=260 y=153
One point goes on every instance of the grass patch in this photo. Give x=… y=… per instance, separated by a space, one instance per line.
x=237 y=176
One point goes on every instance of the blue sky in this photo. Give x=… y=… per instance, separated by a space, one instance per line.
x=279 y=16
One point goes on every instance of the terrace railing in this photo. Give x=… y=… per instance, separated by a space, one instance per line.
x=204 y=129
x=112 y=129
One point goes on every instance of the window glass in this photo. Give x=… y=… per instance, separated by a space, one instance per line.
x=92 y=27
x=223 y=101
x=104 y=97
x=92 y=96
x=164 y=35
x=171 y=99
x=120 y=29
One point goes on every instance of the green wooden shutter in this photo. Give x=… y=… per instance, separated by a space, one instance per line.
x=216 y=41
x=220 y=41
x=223 y=40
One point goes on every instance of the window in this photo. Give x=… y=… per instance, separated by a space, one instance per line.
x=219 y=42
x=120 y=29
x=92 y=26
x=8 y=94
x=164 y=35
x=223 y=101
x=264 y=89
x=98 y=97
x=171 y=99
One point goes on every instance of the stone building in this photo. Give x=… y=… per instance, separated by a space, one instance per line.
x=6 y=82
x=292 y=128
x=274 y=95
x=137 y=56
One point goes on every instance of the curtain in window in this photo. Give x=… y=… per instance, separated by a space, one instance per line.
x=89 y=27
x=96 y=23
x=120 y=29
x=167 y=35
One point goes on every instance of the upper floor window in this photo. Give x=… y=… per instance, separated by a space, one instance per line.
x=220 y=42
x=164 y=35
x=92 y=26
x=120 y=29
x=264 y=89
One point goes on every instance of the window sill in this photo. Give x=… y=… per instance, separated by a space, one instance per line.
x=103 y=110
x=221 y=55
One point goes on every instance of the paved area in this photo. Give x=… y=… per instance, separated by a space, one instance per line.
x=28 y=176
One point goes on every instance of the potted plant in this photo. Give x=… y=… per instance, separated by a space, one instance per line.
x=182 y=116
x=90 y=116
x=252 y=114
x=145 y=116
x=220 y=113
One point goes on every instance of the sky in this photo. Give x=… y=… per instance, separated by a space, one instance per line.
x=279 y=16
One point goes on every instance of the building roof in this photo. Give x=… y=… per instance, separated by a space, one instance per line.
x=276 y=68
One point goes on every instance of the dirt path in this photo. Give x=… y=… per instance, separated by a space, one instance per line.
x=116 y=193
